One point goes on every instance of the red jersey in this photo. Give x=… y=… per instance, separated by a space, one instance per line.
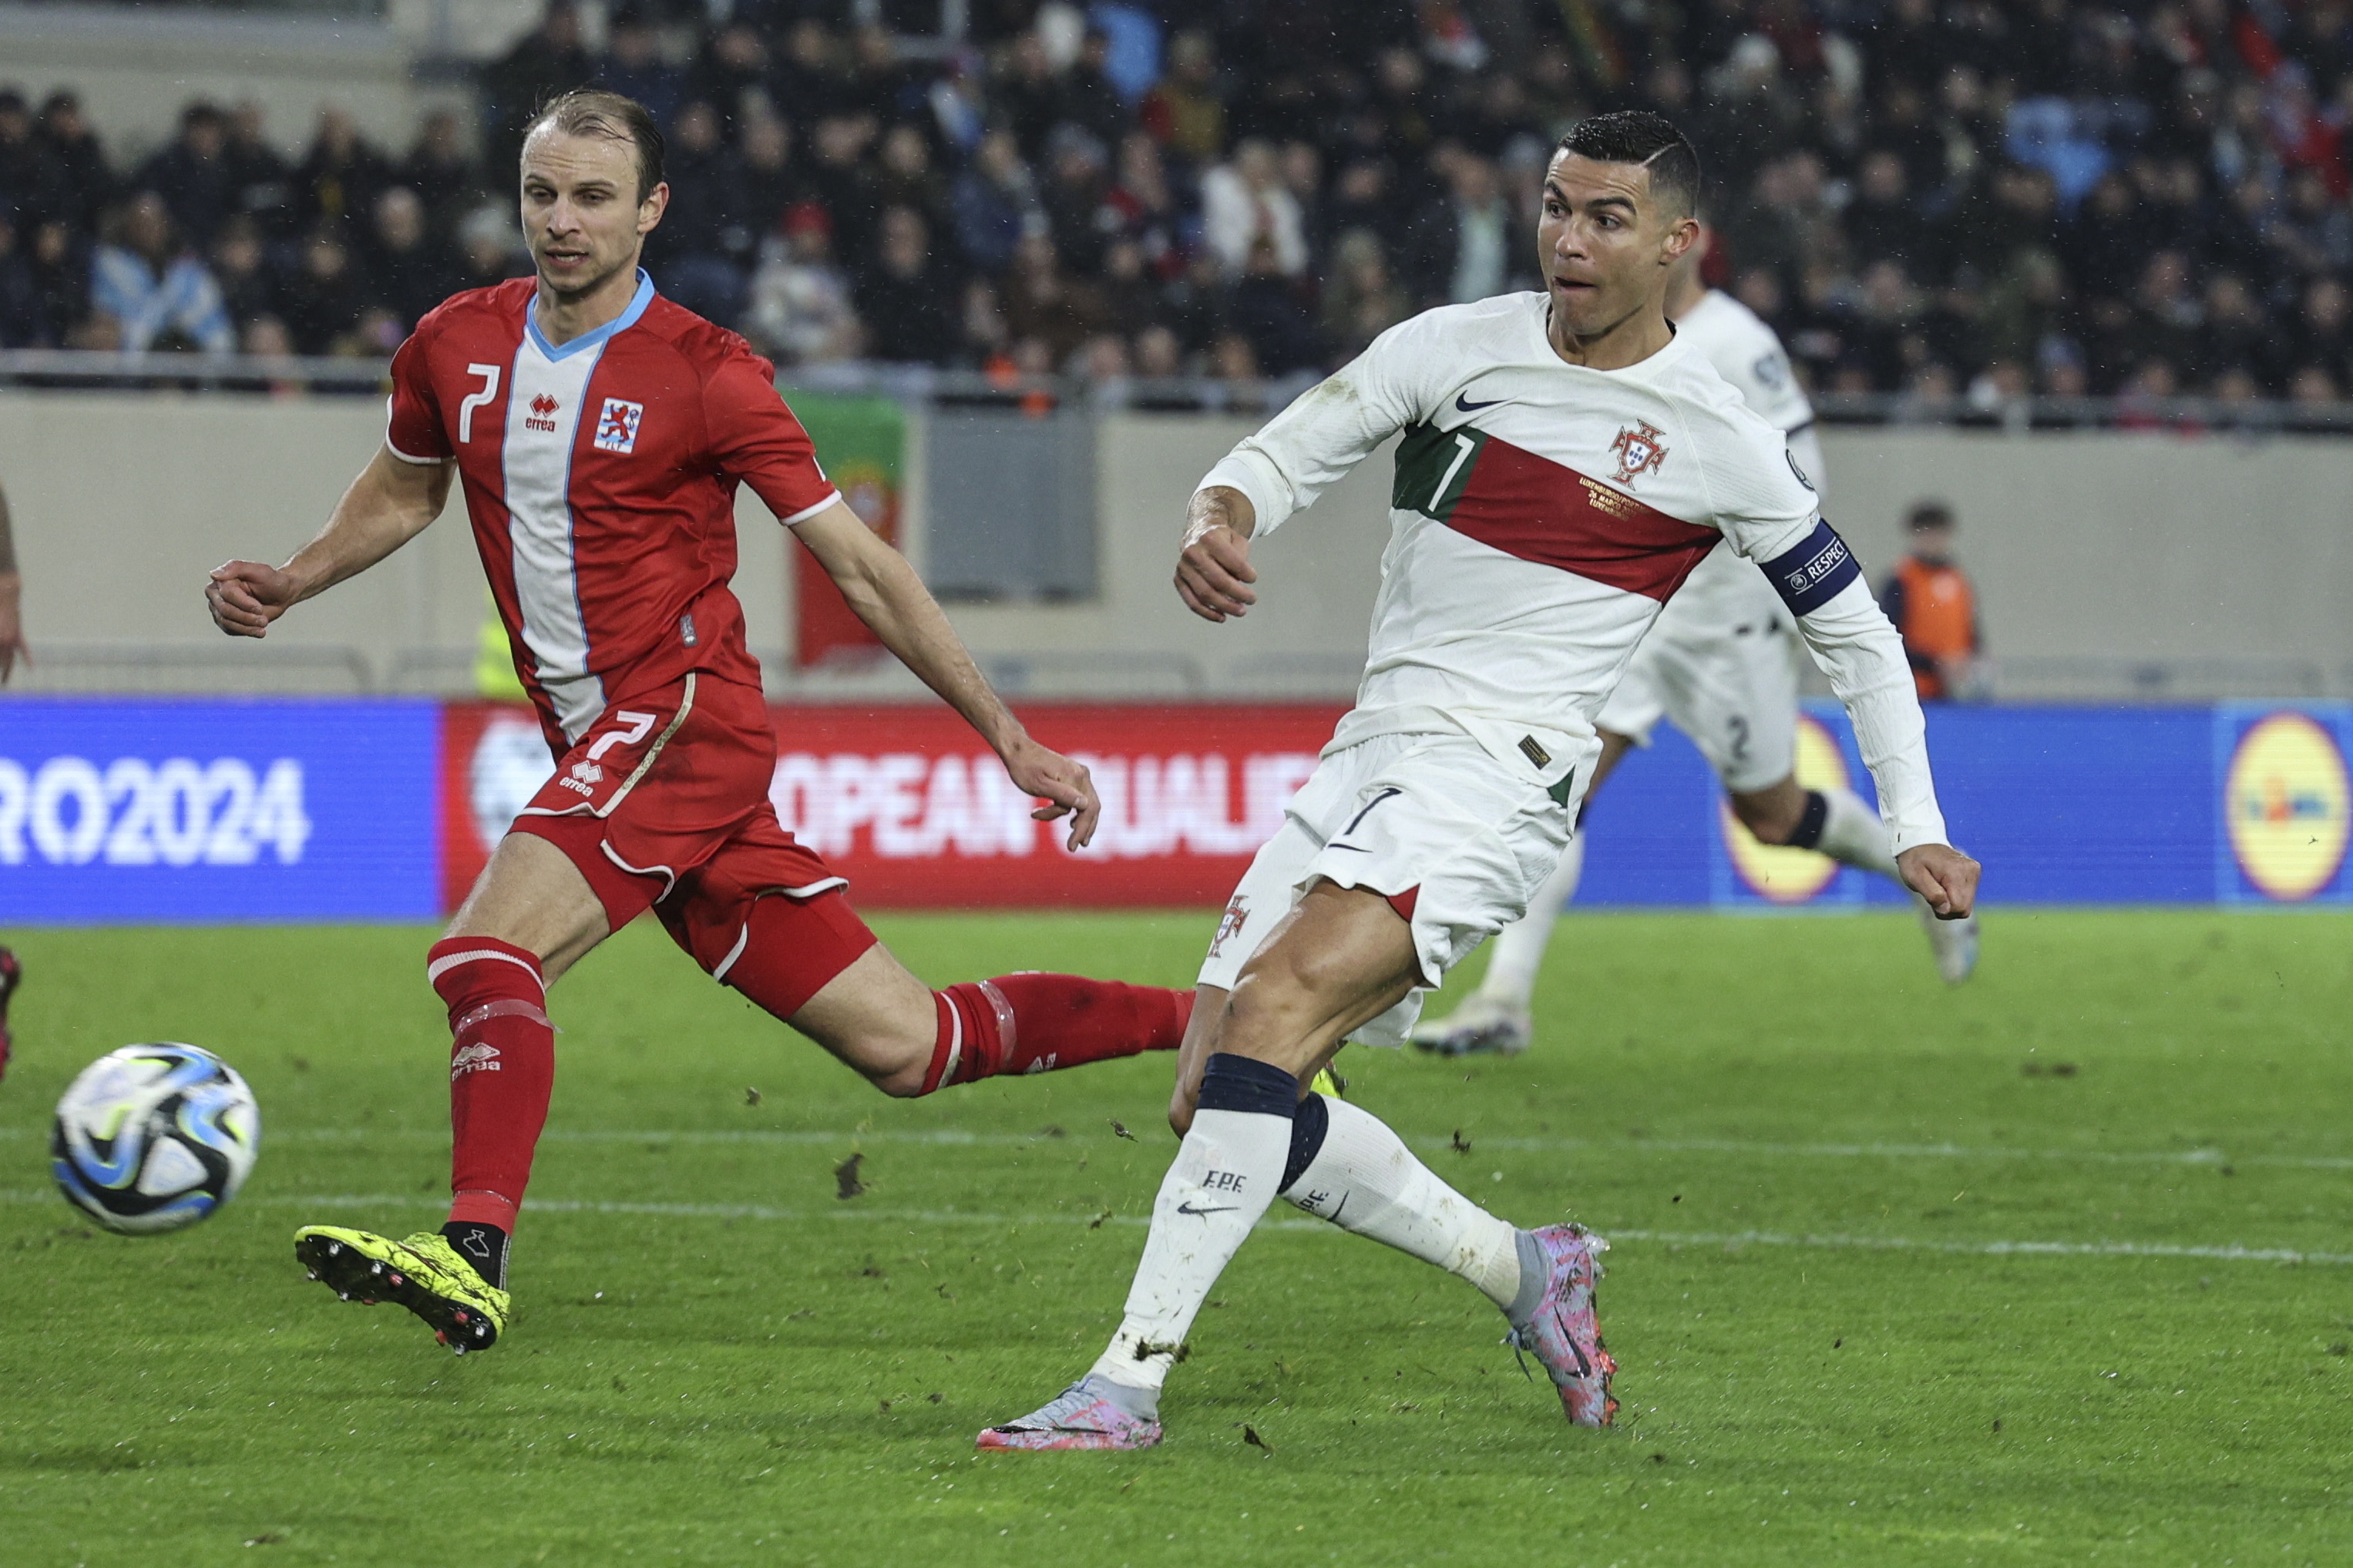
x=601 y=480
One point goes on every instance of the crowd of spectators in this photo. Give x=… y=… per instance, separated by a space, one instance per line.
x=1936 y=197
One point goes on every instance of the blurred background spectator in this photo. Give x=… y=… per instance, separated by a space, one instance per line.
x=1930 y=600
x=1940 y=199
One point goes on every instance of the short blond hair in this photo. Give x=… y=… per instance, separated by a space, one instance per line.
x=594 y=112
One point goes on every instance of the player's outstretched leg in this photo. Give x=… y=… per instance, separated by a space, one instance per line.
x=1497 y=1016
x=11 y=974
x=1341 y=959
x=501 y=1074
x=1226 y=1173
x=815 y=965
x=424 y=1274
x=1347 y=1166
x=1837 y=823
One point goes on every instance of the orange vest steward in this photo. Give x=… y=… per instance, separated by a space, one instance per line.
x=1941 y=617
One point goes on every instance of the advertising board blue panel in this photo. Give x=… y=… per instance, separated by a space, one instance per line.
x=196 y=811
x=161 y=811
x=2243 y=805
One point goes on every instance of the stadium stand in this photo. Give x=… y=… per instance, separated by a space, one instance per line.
x=1961 y=202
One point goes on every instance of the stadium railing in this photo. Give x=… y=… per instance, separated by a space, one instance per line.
x=105 y=370
x=1083 y=675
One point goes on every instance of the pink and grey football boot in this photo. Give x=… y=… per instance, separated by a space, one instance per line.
x=1084 y=1415
x=1563 y=1331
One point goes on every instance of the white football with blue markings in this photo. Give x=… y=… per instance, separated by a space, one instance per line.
x=153 y=1138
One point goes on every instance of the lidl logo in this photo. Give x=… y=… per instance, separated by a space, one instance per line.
x=1782 y=875
x=2287 y=802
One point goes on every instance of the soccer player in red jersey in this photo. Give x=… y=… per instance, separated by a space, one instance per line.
x=600 y=432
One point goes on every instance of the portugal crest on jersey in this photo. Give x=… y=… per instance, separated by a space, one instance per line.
x=1236 y=915
x=1638 y=452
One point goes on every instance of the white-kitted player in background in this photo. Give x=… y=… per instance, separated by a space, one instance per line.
x=1720 y=664
x=1567 y=464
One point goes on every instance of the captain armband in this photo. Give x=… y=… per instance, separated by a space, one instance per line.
x=1812 y=574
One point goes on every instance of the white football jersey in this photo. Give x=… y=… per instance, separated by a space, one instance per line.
x=1541 y=513
x=1727 y=590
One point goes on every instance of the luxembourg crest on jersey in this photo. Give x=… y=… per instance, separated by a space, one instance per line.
x=1638 y=452
x=616 y=426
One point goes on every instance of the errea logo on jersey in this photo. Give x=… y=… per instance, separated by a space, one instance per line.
x=543 y=413
x=616 y=426
x=476 y=1057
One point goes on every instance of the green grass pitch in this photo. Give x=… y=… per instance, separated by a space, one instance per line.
x=2054 y=1269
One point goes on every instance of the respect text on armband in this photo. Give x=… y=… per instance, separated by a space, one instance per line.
x=1812 y=574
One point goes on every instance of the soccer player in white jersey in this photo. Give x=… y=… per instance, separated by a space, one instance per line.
x=1566 y=463
x=1721 y=664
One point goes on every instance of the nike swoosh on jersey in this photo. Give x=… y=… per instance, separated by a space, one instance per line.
x=1462 y=401
x=1188 y=1208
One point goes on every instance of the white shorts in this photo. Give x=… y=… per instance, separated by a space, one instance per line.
x=1735 y=693
x=1473 y=839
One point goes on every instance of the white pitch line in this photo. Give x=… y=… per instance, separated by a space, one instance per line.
x=2233 y=1253
x=1725 y=1240
x=1908 y=1152
x=960 y=1138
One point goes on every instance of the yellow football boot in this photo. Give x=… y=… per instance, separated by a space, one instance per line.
x=424 y=1274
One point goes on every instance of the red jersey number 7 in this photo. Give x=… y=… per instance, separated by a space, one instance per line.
x=639 y=726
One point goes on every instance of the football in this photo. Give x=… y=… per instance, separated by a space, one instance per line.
x=153 y=1138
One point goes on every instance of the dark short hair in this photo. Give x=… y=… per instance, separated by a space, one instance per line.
x=1638 y=136
x=593 y=112
x=1928 y=514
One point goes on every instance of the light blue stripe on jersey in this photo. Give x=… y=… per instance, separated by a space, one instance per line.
x=620 y=323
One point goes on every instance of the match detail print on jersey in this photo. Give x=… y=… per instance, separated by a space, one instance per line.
x=1533 y=508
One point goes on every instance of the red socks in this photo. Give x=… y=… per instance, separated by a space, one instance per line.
x=1040 y=1023
x=501 y=1072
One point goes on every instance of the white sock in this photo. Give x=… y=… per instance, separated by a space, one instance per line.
x=1852 y=834
x=1365 y=1181
x=1519 y=948
x=1223 y=1180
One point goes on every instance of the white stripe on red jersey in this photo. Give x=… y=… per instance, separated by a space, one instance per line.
x=600 y=475
x=545 y=393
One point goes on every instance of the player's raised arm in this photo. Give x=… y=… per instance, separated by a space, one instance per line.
x=1300 y=453
x=1770 y=514
x=1213 y=570
x=391 y=502
x=884 y=591
x=1818 y=578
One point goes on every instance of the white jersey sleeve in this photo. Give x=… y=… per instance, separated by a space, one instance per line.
x=1855 y=644
x=1806 y=451
x=1770 y=513
x=1333 y=426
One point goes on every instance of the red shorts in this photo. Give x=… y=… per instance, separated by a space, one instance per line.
x=663 y=804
